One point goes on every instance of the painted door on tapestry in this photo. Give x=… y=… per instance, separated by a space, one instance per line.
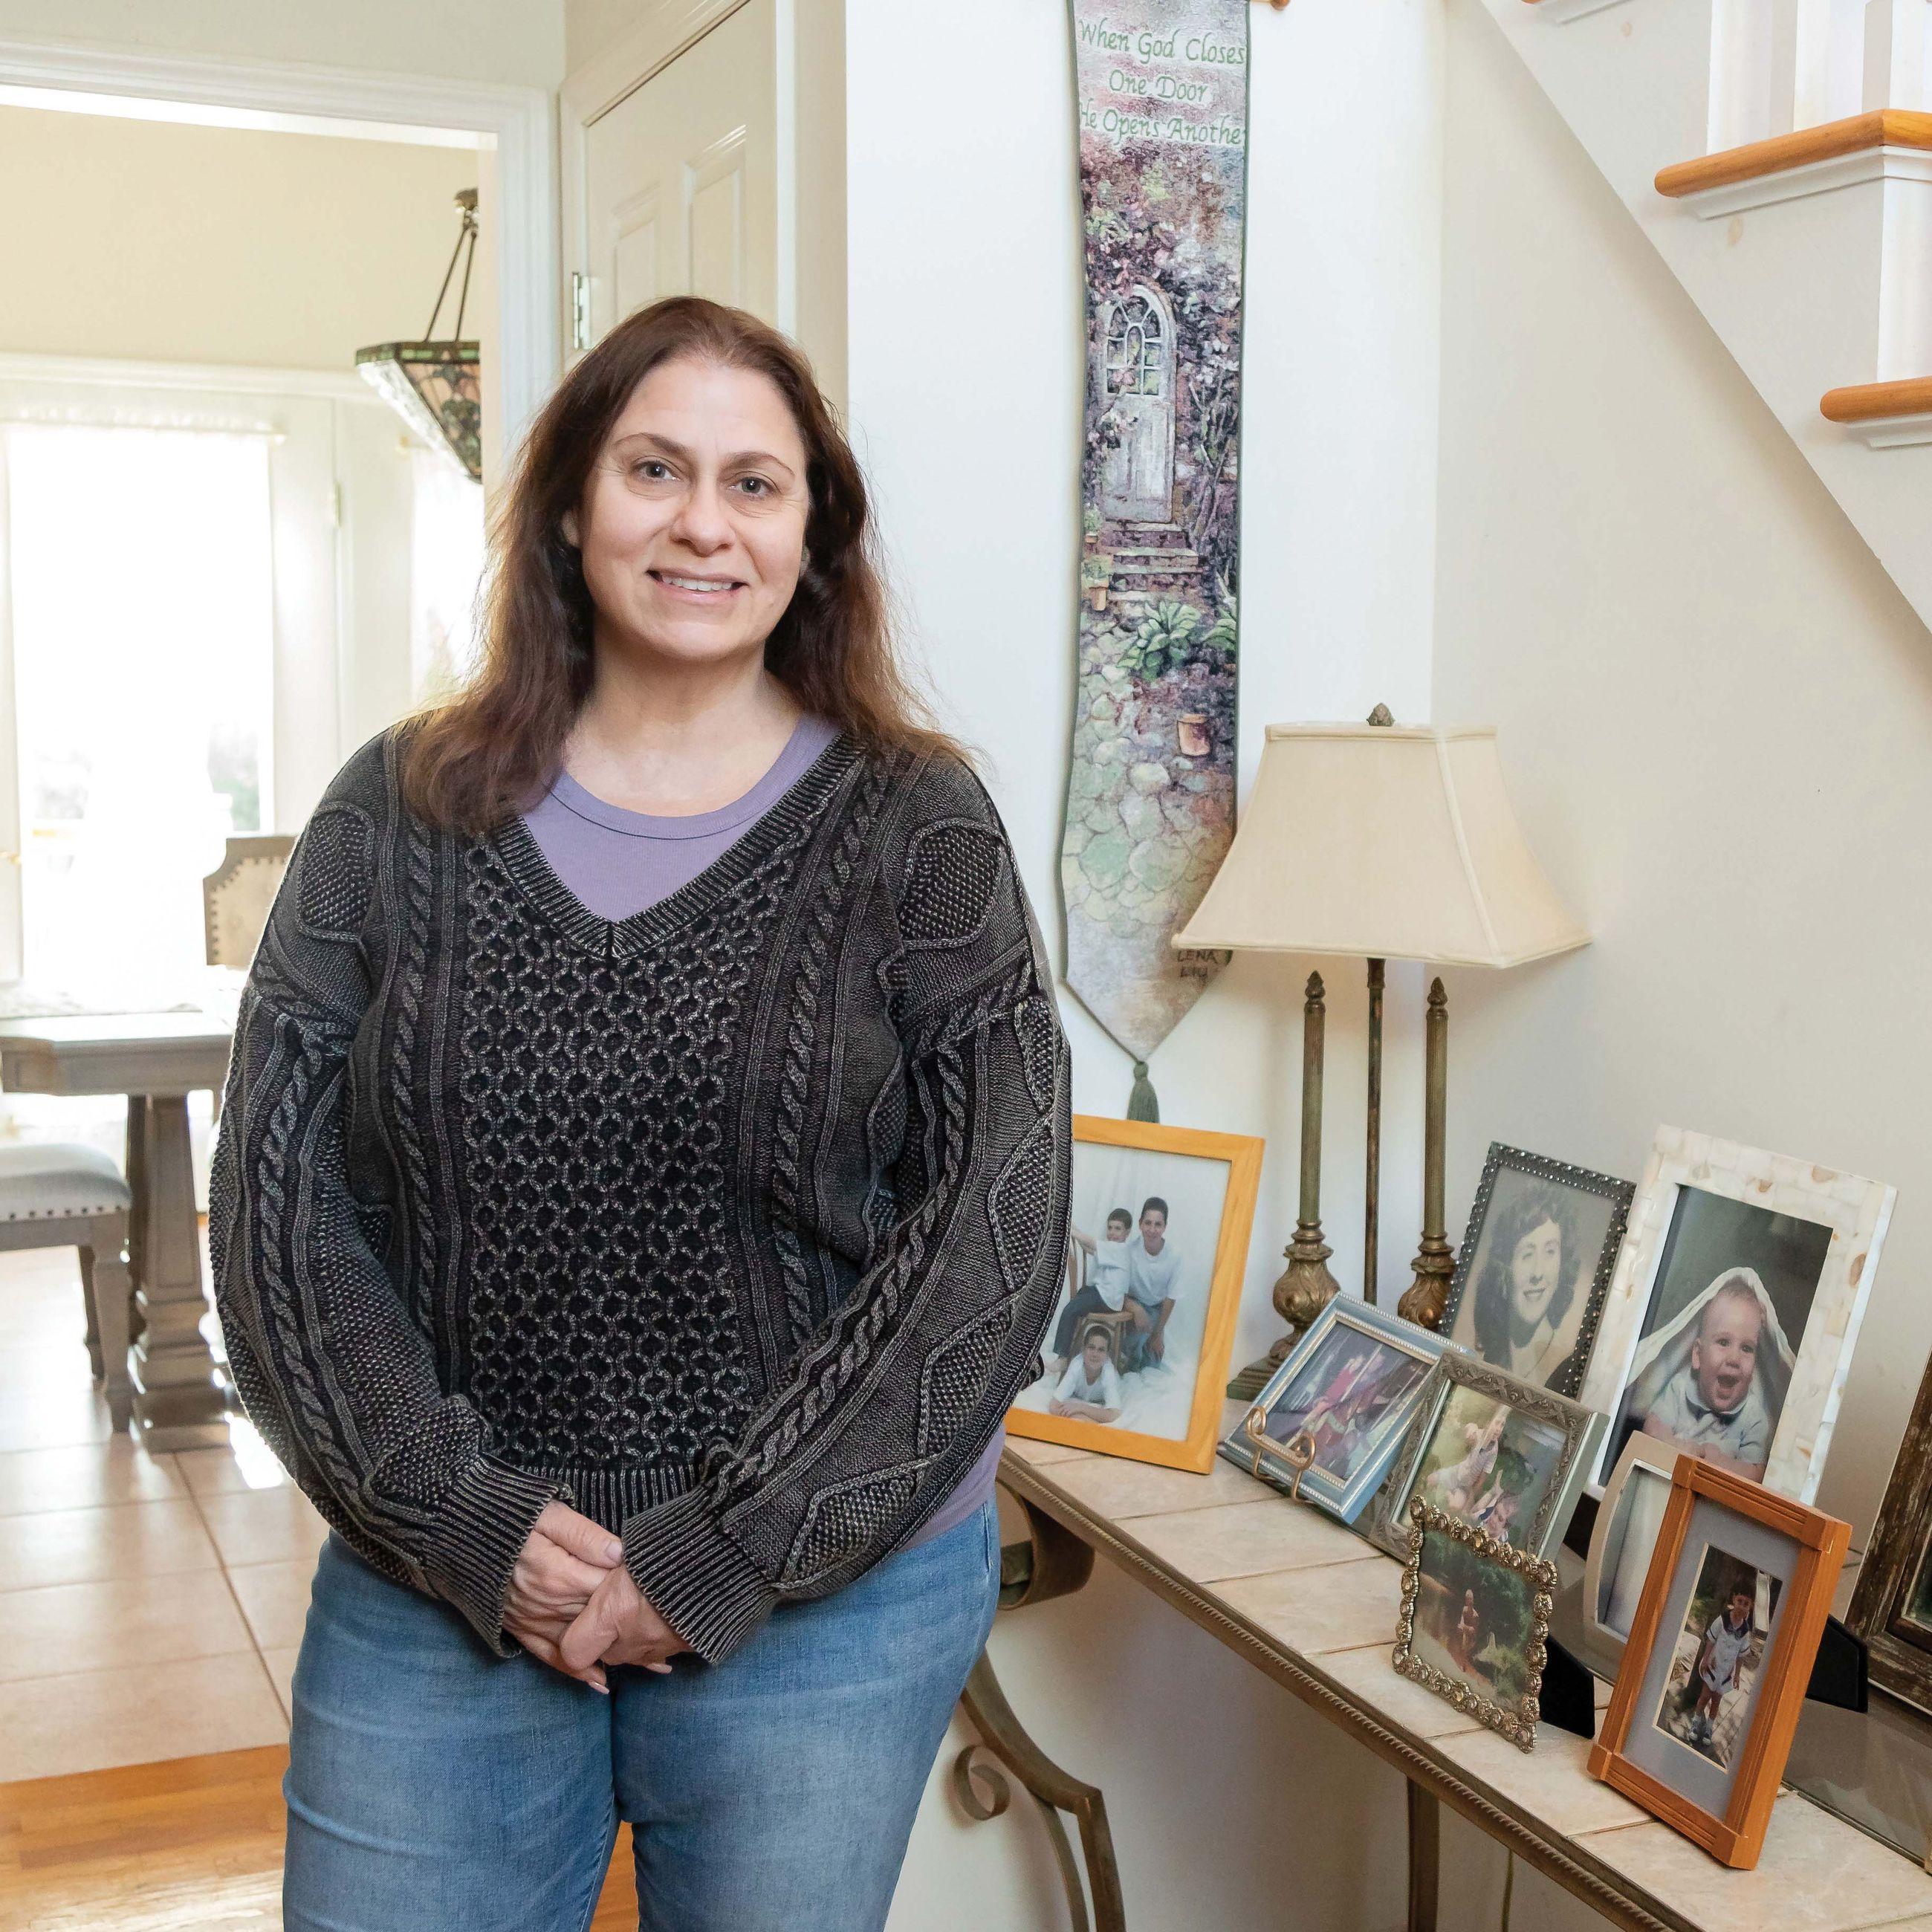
x=681 y=178
x=1137 y=484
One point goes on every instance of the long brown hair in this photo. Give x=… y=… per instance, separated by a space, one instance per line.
x=474 y=761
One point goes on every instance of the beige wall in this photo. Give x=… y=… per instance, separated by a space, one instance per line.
x=148 y=240
x=591 y=26
x=516 y=41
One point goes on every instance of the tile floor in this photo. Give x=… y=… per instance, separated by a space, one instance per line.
x=150 y=1606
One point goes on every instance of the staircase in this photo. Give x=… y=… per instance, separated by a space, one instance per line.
x=1778 y=155
x=1159 y=566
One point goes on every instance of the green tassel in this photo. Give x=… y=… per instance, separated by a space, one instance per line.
x=1141 y=1104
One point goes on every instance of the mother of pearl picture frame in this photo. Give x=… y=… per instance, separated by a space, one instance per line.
x=1805 y=1241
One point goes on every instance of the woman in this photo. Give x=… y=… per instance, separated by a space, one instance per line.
x=1529 y=1282
x=641 y=1189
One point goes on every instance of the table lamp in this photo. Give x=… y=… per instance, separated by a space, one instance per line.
x=1378 y=841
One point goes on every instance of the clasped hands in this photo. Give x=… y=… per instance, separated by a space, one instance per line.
x=572 y=1604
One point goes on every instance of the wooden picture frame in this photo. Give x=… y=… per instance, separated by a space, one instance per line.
x=1533 y=1578
x=1346 y=1328
x=1897 y=1633
x=1645 y=1462
x=1847 y=1218
x=1636 y=1753
x=1191 y=1446
x=1579 y=1428
x=1515 y=1183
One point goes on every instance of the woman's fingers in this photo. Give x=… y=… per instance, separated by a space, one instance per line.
x=589 y=1542
x=594 y=1631
x=546 y=1652
x=560 y=1580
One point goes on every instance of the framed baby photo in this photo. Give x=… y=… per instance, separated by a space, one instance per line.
x=1502 y=1456
x=1891 y=1606
x=1623 y=1538
x=1719 y=1656
x=1136 y=1357
x=1328 y=1421
x=1735 y=1307
x=1475 y=1625
x=1534 y=1266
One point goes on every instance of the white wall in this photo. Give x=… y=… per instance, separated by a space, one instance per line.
x=514 y=41
x=1715 y=710
x=962 y=198
x=1714 y=707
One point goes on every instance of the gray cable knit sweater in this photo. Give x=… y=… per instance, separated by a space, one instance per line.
x=735 y=1224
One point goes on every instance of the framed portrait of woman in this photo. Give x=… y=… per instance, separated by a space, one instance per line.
x=1735 y=1307
x=1534 y=1266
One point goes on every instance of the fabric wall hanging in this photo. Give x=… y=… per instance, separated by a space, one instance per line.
x=1162 y=88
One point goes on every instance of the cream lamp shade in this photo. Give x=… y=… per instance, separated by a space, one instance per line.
x=1384 y=842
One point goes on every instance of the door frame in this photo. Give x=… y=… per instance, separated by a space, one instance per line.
x=521 y=119
x=664 y=30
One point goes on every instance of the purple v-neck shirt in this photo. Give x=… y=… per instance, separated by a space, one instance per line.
x=617 y=862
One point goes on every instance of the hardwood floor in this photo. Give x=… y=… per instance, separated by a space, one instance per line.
x=193 y=1845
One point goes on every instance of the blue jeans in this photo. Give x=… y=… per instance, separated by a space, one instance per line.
x=432 y=1787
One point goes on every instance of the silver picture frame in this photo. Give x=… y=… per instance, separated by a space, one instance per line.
x=1386 y=1523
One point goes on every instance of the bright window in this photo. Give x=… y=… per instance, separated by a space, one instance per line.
x=141 y=580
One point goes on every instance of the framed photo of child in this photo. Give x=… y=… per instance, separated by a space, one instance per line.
x=1136 y=1356
x=1720 y=1650
x=1504 y=1456
x=1475 y=1624
x=1735 y=1305
x=1534 y=1266
x=1328 y=1422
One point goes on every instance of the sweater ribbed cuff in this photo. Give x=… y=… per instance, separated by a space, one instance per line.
x=696 y=1578
x=485 y=1518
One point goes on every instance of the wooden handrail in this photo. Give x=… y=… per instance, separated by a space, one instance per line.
x=1863 y=402
x=1887 y=128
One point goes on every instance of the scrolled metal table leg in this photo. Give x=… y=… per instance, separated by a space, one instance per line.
x=1053 y=1564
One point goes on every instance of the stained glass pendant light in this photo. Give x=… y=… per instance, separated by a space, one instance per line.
x=436 y=384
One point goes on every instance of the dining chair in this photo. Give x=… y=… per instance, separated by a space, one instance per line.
x=236 y=896
x=65 y=1195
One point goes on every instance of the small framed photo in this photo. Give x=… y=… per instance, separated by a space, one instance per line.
x=1475 y=1621
x=1504 y=1457
x=1135 y=1357
x=1329 y=1421
x=1891 y=1606
x=1534 y=1266
x=1628 y=1520
x=1735 y=1308
x=1718 y=1658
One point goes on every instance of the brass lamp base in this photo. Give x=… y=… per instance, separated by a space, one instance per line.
x=1428 y=1294
x=1305 y=1289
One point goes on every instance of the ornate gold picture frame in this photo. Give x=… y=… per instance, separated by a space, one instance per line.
x=1475 y=1625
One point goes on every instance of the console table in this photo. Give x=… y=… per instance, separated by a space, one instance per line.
x=1312 y=1606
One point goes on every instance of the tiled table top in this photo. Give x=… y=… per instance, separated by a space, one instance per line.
x=1281 y=1579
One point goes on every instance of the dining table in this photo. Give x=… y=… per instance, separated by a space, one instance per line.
x=181 y=1393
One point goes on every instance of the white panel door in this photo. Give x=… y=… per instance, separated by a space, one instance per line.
x=680 y=178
